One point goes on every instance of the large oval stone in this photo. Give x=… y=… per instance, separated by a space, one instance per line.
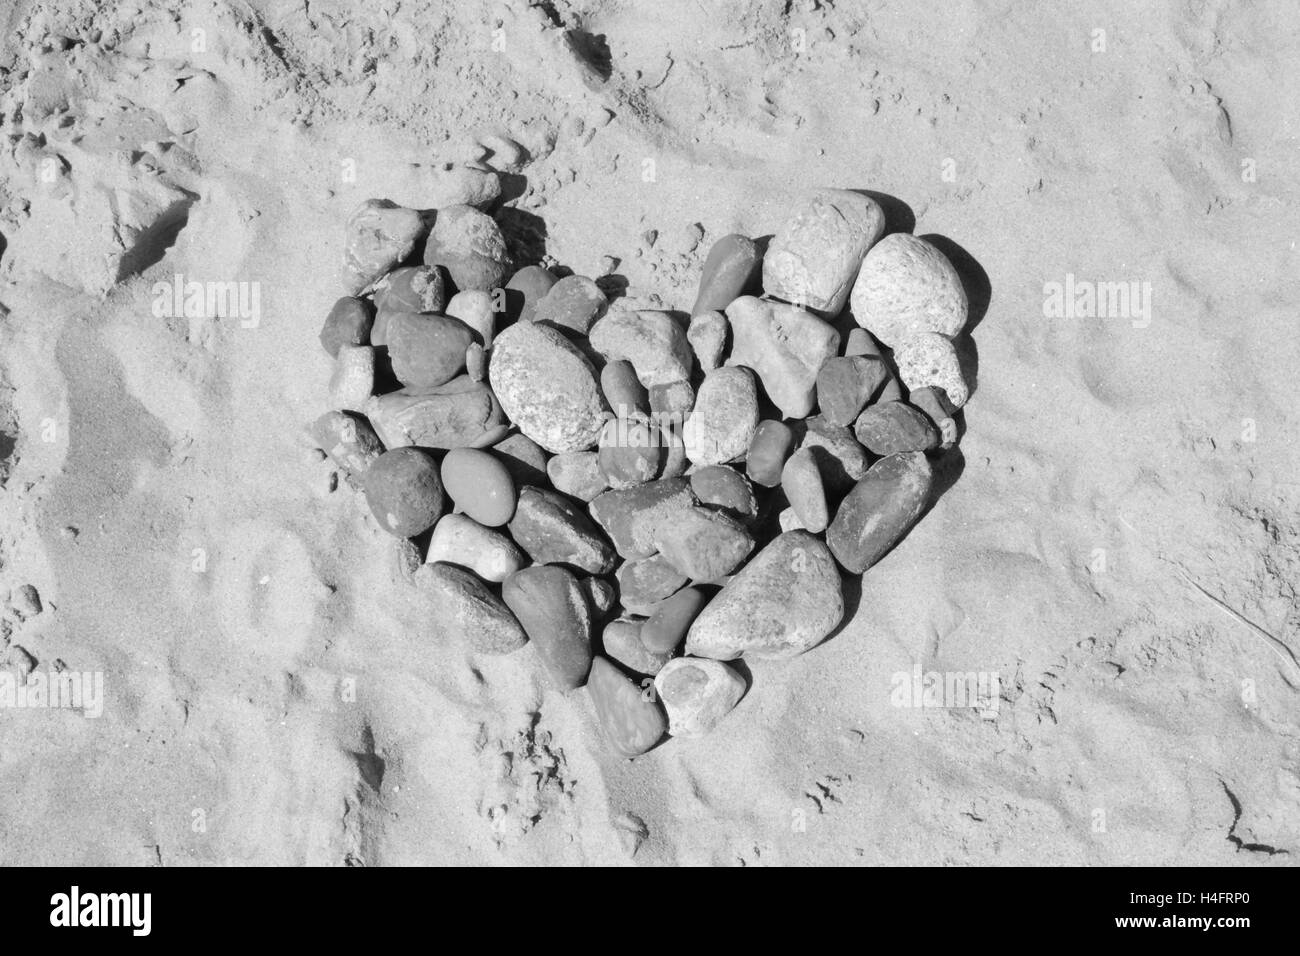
x=879 y=510
x=552 y=606
x=906 y=286
x=547 y=387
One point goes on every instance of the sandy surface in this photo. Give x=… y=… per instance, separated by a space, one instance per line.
x=1118 y=538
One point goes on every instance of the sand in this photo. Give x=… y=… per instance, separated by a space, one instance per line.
x=1117 y=537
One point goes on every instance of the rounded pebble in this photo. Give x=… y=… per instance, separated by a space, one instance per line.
x=725 y=417
x=801 y=481
x=906 y=286
x=469 y=245
x=667 y=625
x=889 y=427
x=697 y=693
x=480 y=485
x=404 y=491
x=547 y=387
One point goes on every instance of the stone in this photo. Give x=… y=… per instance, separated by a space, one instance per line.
x=547 y=387
x=703 y=544
x=631 y=517
x=841 y=459
x=815 y=255
x=476 y=362
x=785 y=346
x=349 y=323
x=732 y=268
x=707 y=335
x=905 y=287
x=480 y=485
x=552 y=607
x=466 y=606
x=929 y=359
x=644 y=582
x=426 y=350
x=879 y=510
x=411 y=289
x=553 y=531
x=379 y=234
x=667 y=626
x=631 y=452
x=469 y=245
x=652 y=341
x=621 y=641
x=889 y=427
x=25 y=601
x=781 y=604
x=600 y=595
x=846 y=384
x=671 y=401
x=631 y=723
x=802 y=483
x=697 y=693
x=460 y=414
x=725 y=417
x=788 y=520
x=524 y=290
x=353 y=381
x=571 y=305
x=623 y=391
x=577 y=474
x=350 y=443
x=404 y=491
x=860 y=342
x=722 y=487
x=771 y=445
x=477 y=310
x=460 y=540
x=523 y=458
x=933 y=403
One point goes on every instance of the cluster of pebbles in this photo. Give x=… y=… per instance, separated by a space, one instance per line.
x=642 y=497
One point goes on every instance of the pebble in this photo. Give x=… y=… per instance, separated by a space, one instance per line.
x=469 y=245
x=782 y=603
x=460 y=414
x=703 y=544
x=815 y=255
x=724 y=488
x=631 y=452
x=672 y=401
x=411 y=289
x=25 y=601
x=707 y=335
x=929 y=359
x=631 y=517
x=934 y=403
x=801 y=481
x=785 y=345
x=879 y=510
x=731 y=269
x=378 y=235
x=577 y=474
x=676 y=463
x=404 y=491
x=426 y=350
x=788 y=520
x=350 y=443
x=458 y=539
x=860 y=342
x=547 y=387
x=480 y=485
x=600 y=595
x=623 y=391
x=524 y=290
x=889 y=427
x=621 y=641
x=666 y=628
x=553 y=531
x=523 y=458
x=725 y=417
x=645 y=582
x=907 y=286
x=846 y=384
x=467 y=606
x=353 y=381
x=475 y=309
x=552 y=607
x=349 y=323
x=572 y=305
x=652 y=341
x=476 y=362
x=841 y=459
x=771 y=445
x=631 y=723
x=697 y=693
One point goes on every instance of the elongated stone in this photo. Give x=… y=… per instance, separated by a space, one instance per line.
x=782 y=603
x=552 y=607
x=802 y=483
x=632 y=720
x=460 y=414
x=465 y=605
x=879 y=510
x=772 y=444
x=553 y=531
x=665 y=629
x=731 y=269
x=353 y=381
x=707 y=334
x=623 y=390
